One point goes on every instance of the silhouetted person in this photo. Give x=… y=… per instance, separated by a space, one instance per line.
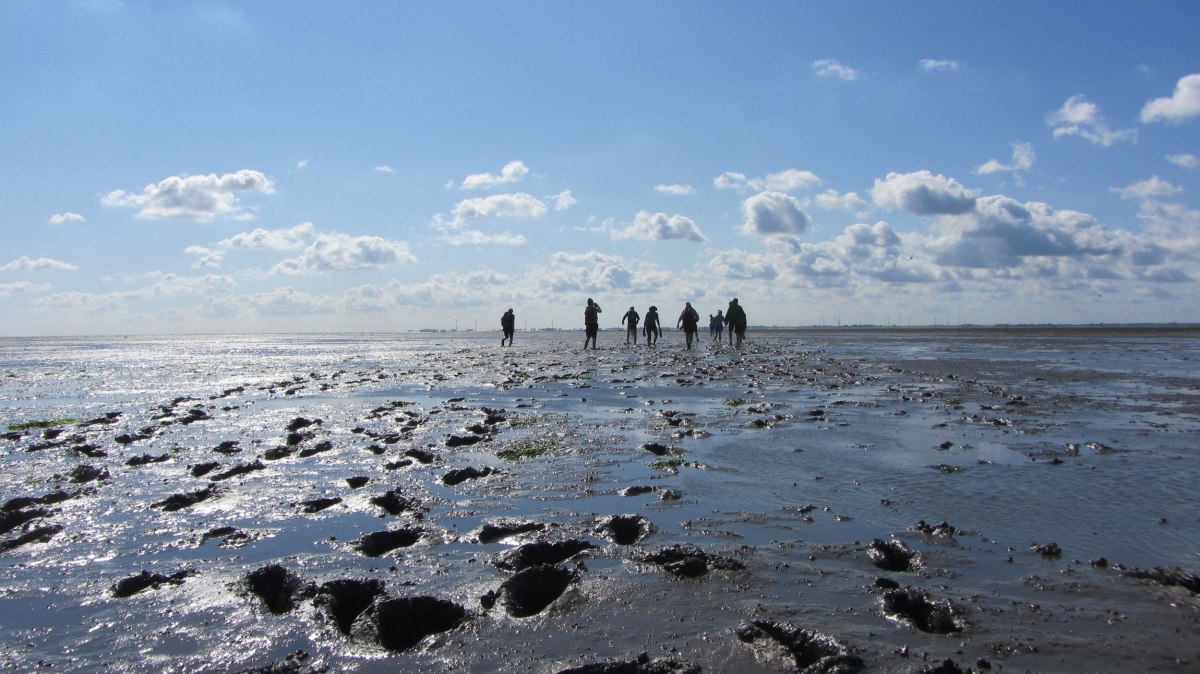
x=652 y=329
x=508 y=323
x=737 y=321
x=630 y=319
x=718 y=326
x=591 y=323
x=689 y=320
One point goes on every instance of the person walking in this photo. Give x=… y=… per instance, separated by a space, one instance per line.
x=689 y=320
x=735 y=315
x=652 y=327
x=718 y=326
x=508 y=323
x=630 y=319
x=591 y=323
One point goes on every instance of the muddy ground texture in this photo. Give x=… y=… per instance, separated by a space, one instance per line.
x=813 y=502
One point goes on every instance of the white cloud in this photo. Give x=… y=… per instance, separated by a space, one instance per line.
x=832 y=68
x=832 y=200
x=738 y=264
x=1080 y=117
x=862 y=253
x=517 y=205
x=302 y=164
x=1183 y=104
x=1022 y=160
x=64 y=218
x=923 y=193
x=287 y=302
x=40 y=264
x=339 y=252
x=1146 y=189
x=9 y=289
x=563 y=200
x=200 y=198
x=675 y=190
x=384 y=168
x=513 y=171
x=272 y=239
x=784 y=181
x=769 y=213
x=474 y=237
x=1187 y=161
x=939 y=66
x=660 y=227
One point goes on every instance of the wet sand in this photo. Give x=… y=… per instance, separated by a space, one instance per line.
x=821 y=500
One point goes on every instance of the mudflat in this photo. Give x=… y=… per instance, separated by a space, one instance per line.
x=820 y=500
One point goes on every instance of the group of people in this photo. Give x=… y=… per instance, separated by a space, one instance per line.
x=689 y=321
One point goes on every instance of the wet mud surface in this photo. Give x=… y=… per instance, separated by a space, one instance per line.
x=818 y=501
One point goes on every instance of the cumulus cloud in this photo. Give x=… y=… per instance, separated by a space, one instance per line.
x=516 y=205
x=474 y=237
x=563 y=200
x=339 y=252
x=939 y=66
x=675 y=190
x=64 y=218
x=741 y=265
x=451 y=289
x=660 y=227
x=24 y=263
x=292 y=238
x=784 y=181
x=514 y=171
x=832 y=68
x=200 y=198
x=1183 y=104
x=1080 y=117
x=861 y=252
x=287 y=302
x=1187 y=161
x=1147 y=189
x=923 y=193
x=1022 y=160
x=769 y=213
x=832 y=200
x=10 y=289
x=595 y=272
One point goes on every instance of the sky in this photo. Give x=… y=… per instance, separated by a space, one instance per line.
x=295 y=166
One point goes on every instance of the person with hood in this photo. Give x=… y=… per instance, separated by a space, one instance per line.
x=591 y=323
x=688 y=319
x=630 y=319
x=718 y=326
x=735 y=315
x=508 y=322
x=652 y=327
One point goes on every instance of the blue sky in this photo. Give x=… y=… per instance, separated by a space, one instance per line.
x=304 y=166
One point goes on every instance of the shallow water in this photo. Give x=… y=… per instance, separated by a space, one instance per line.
x=789 y=455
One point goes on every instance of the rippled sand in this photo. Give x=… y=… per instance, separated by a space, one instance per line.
x=1013 y=480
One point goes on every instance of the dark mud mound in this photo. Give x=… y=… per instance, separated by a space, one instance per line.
x=383 y=542
x=491 y=532
x=277 y=587
x=643 y=665
x=394 y=503
x=463 y=474
x=346 y=599
x=914 y=606
x=540 y=552
x=531 y=590
x=296 y=663
x=688 y=561
x=626 y=529
x=53 y=497
x=14 y=519
x=811 y=652
x=656 y=448
x=127 y=587
x=400 y=624
x=240 y=469
x=181 y=501
x=316 y=505
x=944 y=667
x=893 y=556
x=1171 y=577
x=35 y=535
x=85 y=473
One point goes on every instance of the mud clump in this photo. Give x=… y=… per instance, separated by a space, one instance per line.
x=181 y=501
x=240 y=469
x=296 y=663
x=35 y=535
x=127 y=587
x=540 y=553
x=345 y=600
x=316 y=505
x=688 y=561
x=491 y=532
x=643 y=665
x=463 y=474
x=1049 y=550
x=1170 y=577
x=400 y=624
x=394 y=503
x=84 y=473
x=529 y=591
x=811 y=652
x=655 y=448
x=383 y=542
x=914 y=606
x=893 y=556
x=277 y=587
x=626 y=529
x=14 y=519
